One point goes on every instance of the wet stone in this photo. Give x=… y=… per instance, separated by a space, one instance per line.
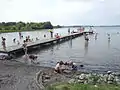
x=46 y=80
x=47 y=77
x=82 y=76
x=71 y=81
x=110 y=78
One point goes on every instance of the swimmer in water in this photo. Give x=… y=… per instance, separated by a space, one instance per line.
x=108 y=36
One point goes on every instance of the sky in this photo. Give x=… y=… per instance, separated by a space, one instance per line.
x=61 y=12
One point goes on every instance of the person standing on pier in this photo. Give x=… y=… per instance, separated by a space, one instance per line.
x=25 y=47
x=20 y=35
x=2 y=38
x=82 y=29
x=3 y=43
x=27 y=39
x=68 y=30
x=37 y=38
x=18 y=42
x=44 y=35
x=57 y=35
x=51 y=33
x=14 y=40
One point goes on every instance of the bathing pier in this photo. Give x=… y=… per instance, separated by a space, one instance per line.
x=17 y=50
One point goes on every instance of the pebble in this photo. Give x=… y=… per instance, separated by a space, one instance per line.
x=109 y=77
x=71 y=81
x=95 y=86
x=47 y=77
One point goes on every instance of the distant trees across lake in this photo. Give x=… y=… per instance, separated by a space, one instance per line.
x=22 y=26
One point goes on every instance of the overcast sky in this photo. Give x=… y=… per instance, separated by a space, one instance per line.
x=62 y=12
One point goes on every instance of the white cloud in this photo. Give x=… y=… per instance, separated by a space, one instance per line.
x=63 y=12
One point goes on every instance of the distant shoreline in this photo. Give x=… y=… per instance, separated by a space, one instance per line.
x=54 y=27
x=91 y=26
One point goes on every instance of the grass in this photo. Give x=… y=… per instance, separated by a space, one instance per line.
x=7 y=31
x=83 y=87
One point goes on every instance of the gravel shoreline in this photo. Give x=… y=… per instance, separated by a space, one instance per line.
x=19 y=76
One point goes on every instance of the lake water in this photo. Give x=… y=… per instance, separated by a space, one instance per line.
x=97 y=55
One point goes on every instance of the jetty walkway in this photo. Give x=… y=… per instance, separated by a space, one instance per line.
x=18 y=49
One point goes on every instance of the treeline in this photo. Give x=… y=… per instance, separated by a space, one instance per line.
x=58 y=26
x=22 y=26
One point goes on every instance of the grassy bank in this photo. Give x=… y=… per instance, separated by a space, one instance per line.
x=7 y=31
x=22 y=26
x=83 y=87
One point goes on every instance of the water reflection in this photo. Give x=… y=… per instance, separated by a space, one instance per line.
x=108 y=43
x=96 y=36
x=86 y=47
x=70 y=43
x=57 y=46
x=52 y=50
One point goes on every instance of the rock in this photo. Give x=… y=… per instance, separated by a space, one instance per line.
x=105 y=78
x=47 y=77
x=110 y=82
x=80 y=81
x=76 y=77
x=71 y=81
x=101 y=75
x=110 y=77
x=1 y=80
x=85 y=82
x=117 y=80
x=46 y=80
x=39 y=80
x=67 y=71
x=95 y=86
x=82 y=76
x=117 y=74
x=109 y=72
x=88 y=75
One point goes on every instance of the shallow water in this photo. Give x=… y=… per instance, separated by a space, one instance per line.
x=97 y=55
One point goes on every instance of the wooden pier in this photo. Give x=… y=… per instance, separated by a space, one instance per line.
x=18 y=49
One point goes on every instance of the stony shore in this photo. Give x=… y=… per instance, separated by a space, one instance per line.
x=18 y=76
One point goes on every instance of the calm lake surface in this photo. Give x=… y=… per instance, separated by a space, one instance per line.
x=97 y=55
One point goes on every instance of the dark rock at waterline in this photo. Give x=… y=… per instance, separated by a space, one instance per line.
x=81 y=65
x=47 y=77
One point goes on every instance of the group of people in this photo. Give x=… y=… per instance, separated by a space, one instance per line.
x=69 y=31
x=20 y=35
x=108 y=36
x=81 y=29
x=30 y=58
x=57 y=35
x=14 y=41
x=61 y=66
x=28 y=39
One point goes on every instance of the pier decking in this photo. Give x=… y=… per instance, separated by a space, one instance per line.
x=18 y=49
